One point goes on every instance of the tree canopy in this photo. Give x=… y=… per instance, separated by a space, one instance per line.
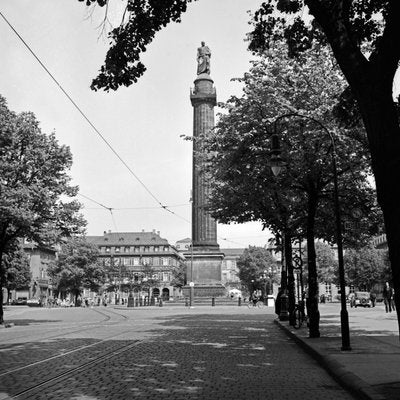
x=254 y=263
x=140 y=22
x=77 y=268
x=34 y=183
x=17 y=270
x=243 y=187
x=34 y=186
x=327 y=265
x=366 y=267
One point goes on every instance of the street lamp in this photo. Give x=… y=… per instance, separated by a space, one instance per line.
x=131 y=299
x=276 y=166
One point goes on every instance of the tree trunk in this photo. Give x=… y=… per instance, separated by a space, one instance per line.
x=382 y=124
x=2 y=273
x=290 y=276
x=312 y=300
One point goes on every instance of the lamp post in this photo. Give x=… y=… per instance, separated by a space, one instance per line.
x=191 y=283
x=276 y=164
x=131 y=299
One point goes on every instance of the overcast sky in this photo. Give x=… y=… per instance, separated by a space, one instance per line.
x=143 y=123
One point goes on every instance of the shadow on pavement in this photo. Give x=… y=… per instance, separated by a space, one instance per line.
x=24 y=322
x=198 y=356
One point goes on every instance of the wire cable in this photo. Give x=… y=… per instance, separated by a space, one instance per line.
x=86 y=118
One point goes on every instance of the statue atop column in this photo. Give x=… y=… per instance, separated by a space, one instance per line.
x=203 y=59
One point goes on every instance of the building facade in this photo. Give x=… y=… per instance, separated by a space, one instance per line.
x=229 y=269
x=135 y=259
x=40 y=286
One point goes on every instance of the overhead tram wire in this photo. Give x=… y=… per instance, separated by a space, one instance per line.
x=165 y=207
x=110 y=209
x=88 y=120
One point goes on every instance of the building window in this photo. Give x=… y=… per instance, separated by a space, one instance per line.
x=166 y=277
x=125 y=260
x=166 y=248
x=108 y=249
x=156 y=248
x=146 y=261
x=136 y=260
x=117 y=249
x=164 y=261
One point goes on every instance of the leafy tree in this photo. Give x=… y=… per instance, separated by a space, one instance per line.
x=140 y=22
x=365 y=38
x=327 y=265
x=33 y=179
x=365 y=267
x=179 y=275
x=77 y=267
x=252 y=264
x=17 y=270
x=150 y=277
x=299 y=201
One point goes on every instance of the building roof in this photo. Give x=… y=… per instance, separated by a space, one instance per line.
x=186 y=240
x=232 y=252
x=128 y=239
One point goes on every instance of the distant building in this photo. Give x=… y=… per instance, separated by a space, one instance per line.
x=229 y=268
x=129 y=256
x=183 y=245
x=39 y=258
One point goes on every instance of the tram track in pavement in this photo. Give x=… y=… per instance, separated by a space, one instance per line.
x=82 y=327
x=58 y=345
x=57 y=377
x=21 y=381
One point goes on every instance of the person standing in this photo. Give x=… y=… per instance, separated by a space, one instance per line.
x=387 y=297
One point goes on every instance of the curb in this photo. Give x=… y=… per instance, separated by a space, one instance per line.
x=354 y=384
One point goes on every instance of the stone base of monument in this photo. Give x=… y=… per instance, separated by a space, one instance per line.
x=205 y=291
x=204 y=269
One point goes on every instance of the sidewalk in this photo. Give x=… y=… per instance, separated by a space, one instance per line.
x=371 y=370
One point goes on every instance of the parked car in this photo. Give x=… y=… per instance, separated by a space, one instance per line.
x=34 y=303
x=21 y=301
x=360 y=299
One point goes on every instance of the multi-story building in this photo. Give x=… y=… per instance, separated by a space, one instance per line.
x=137 y=257
x=229 y=269
x=39 y=258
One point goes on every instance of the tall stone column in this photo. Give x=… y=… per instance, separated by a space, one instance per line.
x=204 y=227
x=204 y=259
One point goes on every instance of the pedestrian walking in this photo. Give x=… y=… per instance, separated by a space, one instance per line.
x=392 y=301
x=278 y=302
x=372 y=297
x=387 y=297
